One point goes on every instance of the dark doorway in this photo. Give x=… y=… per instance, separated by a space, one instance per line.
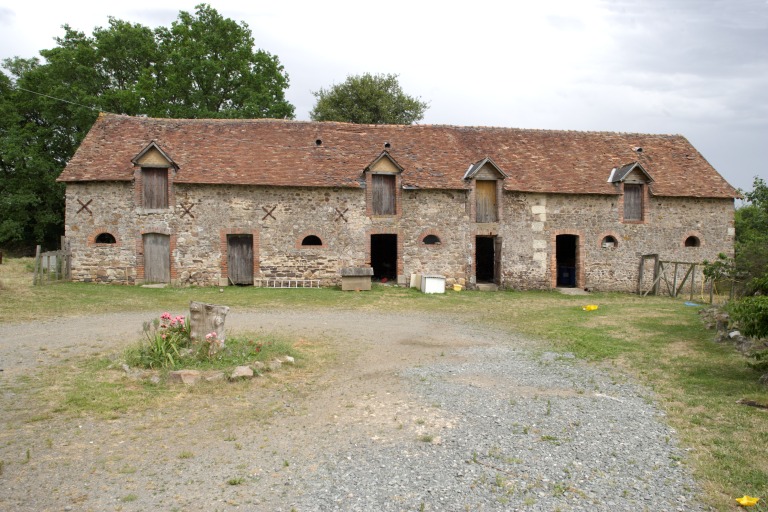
x=487 y=261
x=384 y=256
x=567 y=265
x=240 y=259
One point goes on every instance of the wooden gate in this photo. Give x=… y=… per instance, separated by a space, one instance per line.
x=240 y=259
x=157 y=258
x=674 y=274
x=52 y=266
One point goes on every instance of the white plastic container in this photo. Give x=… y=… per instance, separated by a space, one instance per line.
x=432 y=284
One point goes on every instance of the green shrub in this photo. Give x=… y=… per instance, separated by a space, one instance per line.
x=751 y=316
x=166 y=337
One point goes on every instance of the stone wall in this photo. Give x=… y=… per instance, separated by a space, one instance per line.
x=669 y=221
x=109 y=210
x=279 y=218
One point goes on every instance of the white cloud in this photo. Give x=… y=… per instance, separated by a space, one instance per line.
x=695 y=67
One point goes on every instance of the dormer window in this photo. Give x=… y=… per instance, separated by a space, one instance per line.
x=633 y=180
x=154 y=177
x=487 y=182
x=383 y=186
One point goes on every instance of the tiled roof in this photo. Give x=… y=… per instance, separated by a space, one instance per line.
x=298 y=153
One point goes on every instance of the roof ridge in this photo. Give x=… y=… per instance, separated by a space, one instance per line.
x=385 y=126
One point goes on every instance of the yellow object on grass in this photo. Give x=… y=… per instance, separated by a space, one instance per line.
x=747 y=501
x=590 y=307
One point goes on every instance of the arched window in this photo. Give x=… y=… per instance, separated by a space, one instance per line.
x=311 y=240
x=609 y=242
x=105 y=238
x=431 y=240
x=692 y=241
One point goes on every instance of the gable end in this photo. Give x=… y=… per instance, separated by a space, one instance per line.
x=153 y=156
x=485 y=169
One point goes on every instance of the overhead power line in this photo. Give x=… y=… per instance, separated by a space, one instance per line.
x=60 y=99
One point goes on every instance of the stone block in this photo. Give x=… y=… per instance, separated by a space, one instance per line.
x=241 y=372
x=352 y=283
x=188 y=377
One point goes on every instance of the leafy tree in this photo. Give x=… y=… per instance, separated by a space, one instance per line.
x=367 y=99
x=202 y=66
x=208 y=69
x=751 y=222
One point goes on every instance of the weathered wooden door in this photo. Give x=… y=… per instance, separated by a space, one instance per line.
x=633 y=202
x=485 y=193
x=157 y=258
x=383 y=194
x=497 y=260
x=240 y=259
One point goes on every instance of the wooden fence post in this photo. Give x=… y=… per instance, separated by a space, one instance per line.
x=37 y=266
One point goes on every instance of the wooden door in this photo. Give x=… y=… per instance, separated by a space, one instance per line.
x=240 y=259
x=633 y=202
x=485 y=193
x=497 y=260
x=155 y=188
x=383 y=194
x=157 y=258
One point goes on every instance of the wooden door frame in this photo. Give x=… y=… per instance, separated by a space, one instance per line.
x=579 y=255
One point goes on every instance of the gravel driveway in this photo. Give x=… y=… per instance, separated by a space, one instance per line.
x=417 y=412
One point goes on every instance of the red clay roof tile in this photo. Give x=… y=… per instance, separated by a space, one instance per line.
x=286 y=153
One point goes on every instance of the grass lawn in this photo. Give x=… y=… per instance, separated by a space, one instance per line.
x=659 y=341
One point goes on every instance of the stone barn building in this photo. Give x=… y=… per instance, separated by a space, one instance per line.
x=217 y=202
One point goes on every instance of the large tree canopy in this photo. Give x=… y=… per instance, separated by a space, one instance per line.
x=368 y=99
x=202 y=66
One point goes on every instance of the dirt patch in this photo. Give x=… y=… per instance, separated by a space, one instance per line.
x=362 y=418
x=196 y=447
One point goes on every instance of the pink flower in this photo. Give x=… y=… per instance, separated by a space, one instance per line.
x=166 y=316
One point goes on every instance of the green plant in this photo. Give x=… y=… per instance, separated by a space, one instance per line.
x=128 y=498
x=760 y=360
x=166 y=337
x=215 y=345
x=751 y=315
x=236 y=480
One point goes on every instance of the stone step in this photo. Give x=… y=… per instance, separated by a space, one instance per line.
x=487 y=287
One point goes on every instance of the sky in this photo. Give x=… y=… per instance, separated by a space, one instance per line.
x=698 y=68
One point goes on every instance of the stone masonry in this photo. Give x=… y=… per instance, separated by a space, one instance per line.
x=529 y=226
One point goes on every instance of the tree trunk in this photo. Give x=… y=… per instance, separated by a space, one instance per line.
x=205 y=319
